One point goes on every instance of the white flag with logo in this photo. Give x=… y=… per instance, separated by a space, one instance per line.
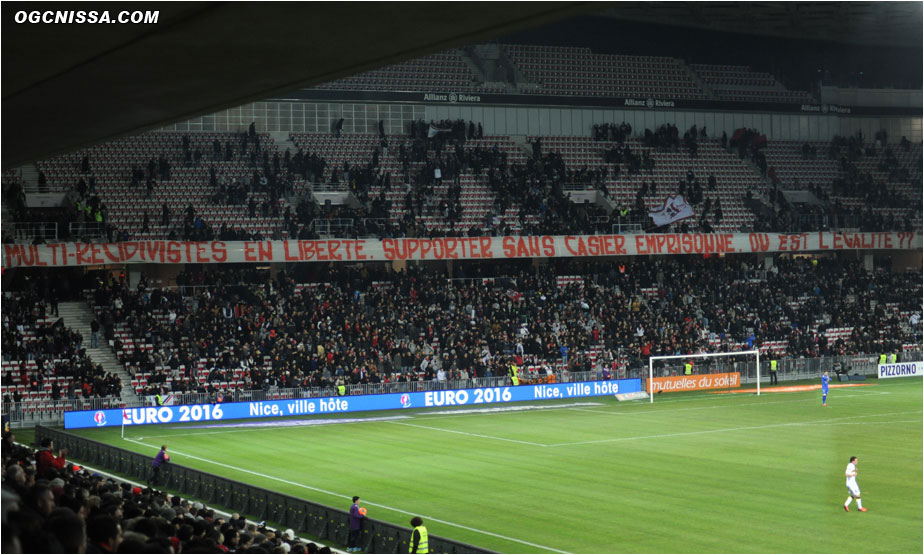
x=675 y=208
x=433 y=131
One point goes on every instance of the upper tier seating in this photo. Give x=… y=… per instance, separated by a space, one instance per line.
x=740 y=83
x=887 y=193
x=734 y=178
x=441 y=72
x=476 y=198
x=580 y=72
x=111 y=164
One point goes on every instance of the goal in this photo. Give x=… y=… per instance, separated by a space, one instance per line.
x=708 y=371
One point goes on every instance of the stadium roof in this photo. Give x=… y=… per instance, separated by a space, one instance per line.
x=69 y=85
x=872 y=23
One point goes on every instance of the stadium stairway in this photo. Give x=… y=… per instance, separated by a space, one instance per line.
x=77 y=315
x=710 y=94
x=30 y=176
x=472 y=63
x=523 y=144
x=283 y=140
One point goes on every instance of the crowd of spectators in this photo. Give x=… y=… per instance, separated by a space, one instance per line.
x=81 y=206
x=612 y=132
x=433 y=160
x=885 y=204
x=418 y=322
x=38 y=348
x=53 y=506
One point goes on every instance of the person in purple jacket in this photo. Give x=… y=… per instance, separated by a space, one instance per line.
x=160 y=459
x=357 y=514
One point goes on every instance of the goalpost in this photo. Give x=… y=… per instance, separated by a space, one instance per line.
x=651 y=362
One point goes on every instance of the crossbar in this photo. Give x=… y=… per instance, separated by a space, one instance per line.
x=698 y=355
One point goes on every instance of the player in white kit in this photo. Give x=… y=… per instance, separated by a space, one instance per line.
x=852 y=487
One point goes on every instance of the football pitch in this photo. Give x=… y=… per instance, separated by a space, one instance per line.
x=690 y=473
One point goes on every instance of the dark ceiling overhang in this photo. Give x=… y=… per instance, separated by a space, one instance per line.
x=873 y=23
x=66 y=86
x=70 y=85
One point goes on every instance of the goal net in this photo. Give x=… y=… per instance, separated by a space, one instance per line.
x=704 y=371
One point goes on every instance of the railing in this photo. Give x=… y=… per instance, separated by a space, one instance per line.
x=788 y=369
x=378 y=223
x=30 y=231
x=87 y=230
x=46 y=410
x=333 y=226
x=806 y=222
x=626 y=226
x=324 y=187
x=579 y=187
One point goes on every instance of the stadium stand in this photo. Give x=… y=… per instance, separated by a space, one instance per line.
x=247 y=332
x=134 y=179
x=442 y=71
x=734 y=179
x=235 y=334
x=740 y=83
x=446 y=178
x=576 y=71
x=872 y=186
x=45 y=365
x=579 y=71
x=244 y=186
x=413 y=195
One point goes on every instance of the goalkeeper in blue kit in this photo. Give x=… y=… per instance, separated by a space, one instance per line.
x=824 y=389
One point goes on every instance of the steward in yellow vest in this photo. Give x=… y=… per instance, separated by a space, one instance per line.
x=418 y=543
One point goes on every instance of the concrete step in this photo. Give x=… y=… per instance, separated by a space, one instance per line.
x=77 y=315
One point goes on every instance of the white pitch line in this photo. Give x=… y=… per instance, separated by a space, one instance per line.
x=229 y=430
x=469 y=434
x=324 y=491
x=616 y=412
x=862 y=423
x=722 y=430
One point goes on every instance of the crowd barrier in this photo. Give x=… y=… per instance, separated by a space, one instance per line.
x=320 y=521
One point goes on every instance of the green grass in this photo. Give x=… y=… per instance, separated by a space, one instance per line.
x=691 y=473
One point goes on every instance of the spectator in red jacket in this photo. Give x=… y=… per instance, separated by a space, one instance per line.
x=47 y=464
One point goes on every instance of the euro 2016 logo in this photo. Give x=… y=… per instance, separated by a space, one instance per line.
x=100 y=418
x=406 y=401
